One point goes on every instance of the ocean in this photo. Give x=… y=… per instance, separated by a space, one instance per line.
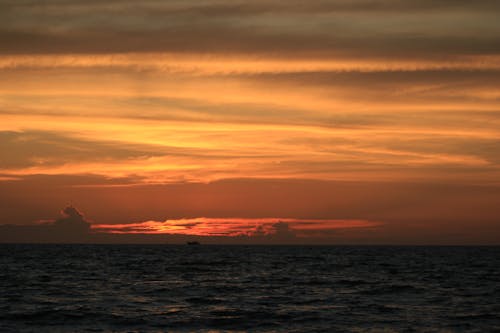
x=208 y=288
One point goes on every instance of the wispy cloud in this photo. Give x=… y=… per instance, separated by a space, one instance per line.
x=204 y=226
x=126 y=93
x=207 y=64
x=394 y=28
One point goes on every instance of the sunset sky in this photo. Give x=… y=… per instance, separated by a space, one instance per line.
x=346 y=121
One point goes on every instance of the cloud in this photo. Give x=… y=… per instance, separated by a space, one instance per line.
x=239 y=230
x=273 y=228
x=71 y=221
x=200 y=91
x=45 y=148
x=282 y=231
x=237 y=7
x=288 y=28
x=71 y=227
x=214 y=63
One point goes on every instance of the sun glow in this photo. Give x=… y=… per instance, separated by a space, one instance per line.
x=204 y=226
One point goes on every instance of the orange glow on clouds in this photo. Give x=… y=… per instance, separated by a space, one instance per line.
x=208 y=64
x=204 y=226
x=114 y=104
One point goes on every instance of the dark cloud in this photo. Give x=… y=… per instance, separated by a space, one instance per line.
x=420 y=88
x=72 y=221
x=282 y=231
x=218 y=8
x=386 y=78
x=71 y=227
x=45 y=148
x=291 y=28
x=276 y=232
x=250 y=41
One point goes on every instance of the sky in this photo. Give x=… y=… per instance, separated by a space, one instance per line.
x=321 y=122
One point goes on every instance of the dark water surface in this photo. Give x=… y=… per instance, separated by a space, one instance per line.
x=125 y=288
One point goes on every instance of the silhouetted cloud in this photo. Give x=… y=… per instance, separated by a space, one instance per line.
x=72 y=221
x=282 y=231
x=70 y=227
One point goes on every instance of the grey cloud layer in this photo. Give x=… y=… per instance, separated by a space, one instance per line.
x=212 y=7
x=35 y=148
x=317 y=28
x=42 y=148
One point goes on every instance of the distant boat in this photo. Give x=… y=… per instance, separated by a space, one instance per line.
x=193 y=243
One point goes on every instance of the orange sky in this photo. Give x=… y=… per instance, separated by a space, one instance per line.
x=384 y=112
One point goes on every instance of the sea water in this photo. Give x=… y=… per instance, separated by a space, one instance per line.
x=208 y=288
